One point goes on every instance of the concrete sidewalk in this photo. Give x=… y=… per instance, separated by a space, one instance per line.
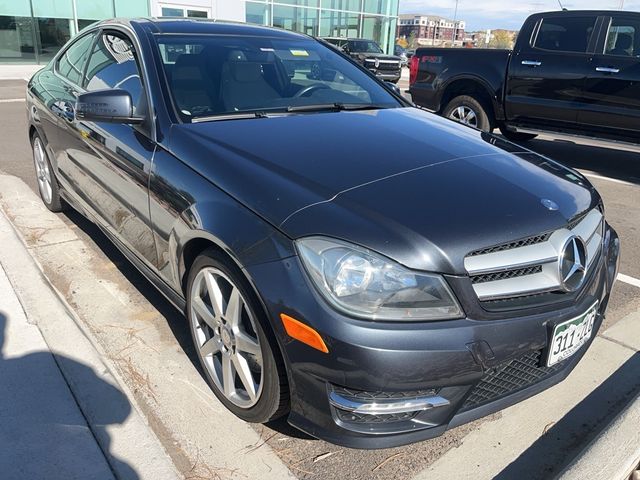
x=44 y=434
x=63 y=413
x=16 y=72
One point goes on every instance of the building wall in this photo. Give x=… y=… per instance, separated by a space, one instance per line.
x=223 y=9
x=32 y=31
x=372 y=19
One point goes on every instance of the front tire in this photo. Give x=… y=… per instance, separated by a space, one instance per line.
x=47 y=184
x=468 y=111
x=230 y=335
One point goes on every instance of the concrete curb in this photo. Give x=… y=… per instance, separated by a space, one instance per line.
x=614 y=454
x=130 y=447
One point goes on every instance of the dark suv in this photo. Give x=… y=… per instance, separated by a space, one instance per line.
x=369 y=54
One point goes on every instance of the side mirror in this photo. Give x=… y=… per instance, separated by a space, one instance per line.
x=346 y=50
x=394 y=87
x=111 y=106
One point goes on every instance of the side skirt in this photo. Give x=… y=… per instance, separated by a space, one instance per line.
x=169 y=293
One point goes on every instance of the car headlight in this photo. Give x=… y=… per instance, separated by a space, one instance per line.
x=365 y=284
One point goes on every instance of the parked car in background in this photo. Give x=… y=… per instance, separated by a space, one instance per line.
x=369 y=54
x=400 y=52
x=571 y=72
x=253 y=176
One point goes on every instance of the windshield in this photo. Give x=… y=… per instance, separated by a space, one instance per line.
x=364 y=46
x=219 y=75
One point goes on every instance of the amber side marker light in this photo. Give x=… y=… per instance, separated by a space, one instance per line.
x=304 y=333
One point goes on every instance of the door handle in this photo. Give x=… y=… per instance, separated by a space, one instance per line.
x=531 y=63
x=607 y=69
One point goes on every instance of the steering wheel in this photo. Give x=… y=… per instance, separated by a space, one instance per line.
x=311 y=88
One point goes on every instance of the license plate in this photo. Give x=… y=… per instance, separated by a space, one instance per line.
x=569 y=336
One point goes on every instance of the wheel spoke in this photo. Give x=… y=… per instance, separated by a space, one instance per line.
x=460 y=113
x=224 y=331
x=245 y=343
x=228 y=377
x=215 y=294
x=470 y=117
x=234 y=308
x=204 y=313
x=245 y=375
x=210 y=347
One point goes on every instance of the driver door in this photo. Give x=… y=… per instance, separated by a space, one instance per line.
x=107 y=165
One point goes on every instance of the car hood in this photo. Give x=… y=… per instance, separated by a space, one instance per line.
x=420 y=189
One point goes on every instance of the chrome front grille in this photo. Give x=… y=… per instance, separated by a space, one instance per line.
x=531 y=266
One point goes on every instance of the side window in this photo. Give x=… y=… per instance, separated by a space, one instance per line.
x=565 y=34
x=72 y=61
x=113 y=65
x=623 y=38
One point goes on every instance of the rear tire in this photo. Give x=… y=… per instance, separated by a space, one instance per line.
x=47 y=183
x=516 y=136
x=235 y=345
x=469 y=111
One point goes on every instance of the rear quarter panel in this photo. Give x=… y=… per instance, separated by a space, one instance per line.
x=440 y=68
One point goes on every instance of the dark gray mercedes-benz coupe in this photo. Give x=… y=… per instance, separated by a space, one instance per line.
x=374 y=297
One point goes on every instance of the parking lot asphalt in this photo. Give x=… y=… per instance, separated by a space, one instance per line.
x=614 y=170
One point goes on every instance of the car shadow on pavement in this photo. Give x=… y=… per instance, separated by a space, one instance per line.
x=43 y=434
x=618 y=162
x=559 y=444
x=175 y=320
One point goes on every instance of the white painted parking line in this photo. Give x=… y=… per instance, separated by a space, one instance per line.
x=630 y=280
x=608 y=179
x=12 y=100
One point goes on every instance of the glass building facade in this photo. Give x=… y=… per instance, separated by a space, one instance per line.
x=371 y=19
x=32 y=31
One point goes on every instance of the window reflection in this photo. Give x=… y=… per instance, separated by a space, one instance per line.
x=16 y=39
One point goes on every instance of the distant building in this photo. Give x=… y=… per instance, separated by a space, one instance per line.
x=491 y=38
x=431 y=30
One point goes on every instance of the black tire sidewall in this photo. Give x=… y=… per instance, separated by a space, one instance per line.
x=270 y=404
x=484 y=123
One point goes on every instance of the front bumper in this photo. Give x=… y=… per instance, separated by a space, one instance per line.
x=452 y=372
x=387 y=76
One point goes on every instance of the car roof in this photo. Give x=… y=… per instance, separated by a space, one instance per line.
x=182 y=25
x=586 y=12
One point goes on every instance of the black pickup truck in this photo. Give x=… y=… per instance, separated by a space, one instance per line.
x=571 y=72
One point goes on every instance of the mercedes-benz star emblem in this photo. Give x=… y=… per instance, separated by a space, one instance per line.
x=550 y=204
x=377 y=64
x=572 y=264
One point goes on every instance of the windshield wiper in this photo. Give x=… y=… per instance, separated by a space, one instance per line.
x=335 y=107
x=230 y=116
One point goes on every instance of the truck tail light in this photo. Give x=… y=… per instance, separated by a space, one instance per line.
x=413 y=69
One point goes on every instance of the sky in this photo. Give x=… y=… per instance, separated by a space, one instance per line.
x=509 y=14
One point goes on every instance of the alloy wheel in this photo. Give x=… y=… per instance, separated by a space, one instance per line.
x=225 y=333
x=465 y=115
x=42 y=170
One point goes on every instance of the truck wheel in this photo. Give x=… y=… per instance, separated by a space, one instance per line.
x=468 y=111
x=516 y=136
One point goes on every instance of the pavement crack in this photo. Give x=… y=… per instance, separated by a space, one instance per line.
x=618 y=342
